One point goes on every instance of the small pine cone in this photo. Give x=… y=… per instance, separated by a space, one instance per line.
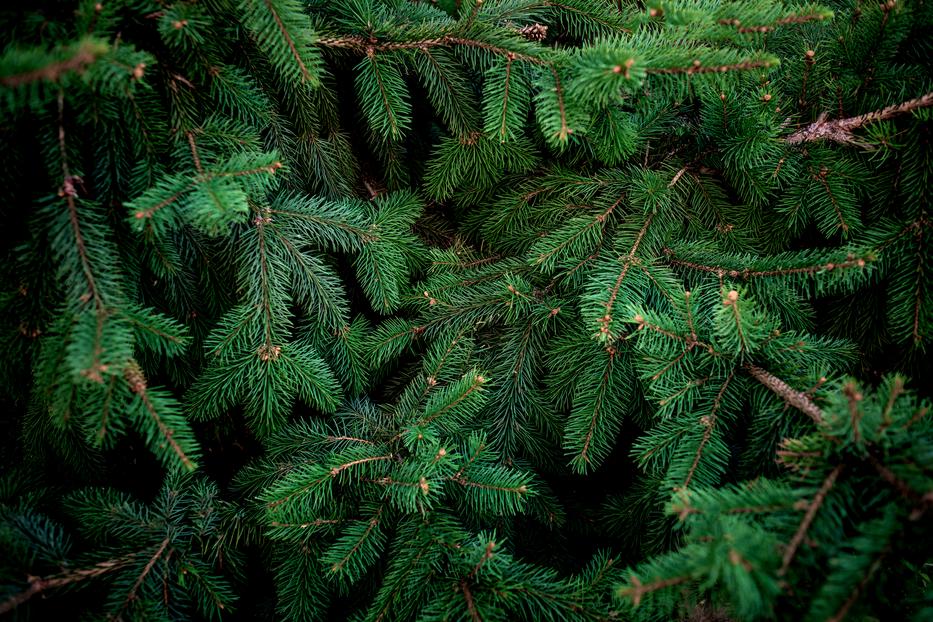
x=534 y=32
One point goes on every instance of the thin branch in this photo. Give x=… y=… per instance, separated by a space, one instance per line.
x=85 y=55
x=840 y=130
x=38 y=585
x=639 y=589
x=813 y=508
x=146 y=570
x=791 y=396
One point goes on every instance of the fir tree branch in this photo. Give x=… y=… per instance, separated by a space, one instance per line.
x=813 y=16
x=283 y=31
x=639 y=589
x=487 y=555
x=746 y=273
x=38 y=585
x=131 y=595
x=840 y=130
x=695 y=68
x=367 y=46
x=471 y=605
x=808 y=517
x=627 y=263
x=857 y=591
x=346 y=465
x=792 y=397
x=137 y=382
x=86 y=54
x=373 y=522
x=709 y=421
x=591 y=429
x=69 y=192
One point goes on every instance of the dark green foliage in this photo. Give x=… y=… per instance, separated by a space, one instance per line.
x=466 y=310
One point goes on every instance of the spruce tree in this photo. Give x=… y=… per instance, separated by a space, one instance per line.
x=466 y=310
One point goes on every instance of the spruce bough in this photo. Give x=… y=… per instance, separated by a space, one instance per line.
x=475 y=310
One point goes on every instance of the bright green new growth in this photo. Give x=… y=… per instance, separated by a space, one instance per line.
x=466 y=310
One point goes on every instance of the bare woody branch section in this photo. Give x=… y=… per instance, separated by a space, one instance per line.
x=840 y=130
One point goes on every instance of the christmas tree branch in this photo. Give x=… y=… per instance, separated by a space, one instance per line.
x=791 y=396
x=369 y=46
x=699 y=68
x=137 y=382
x=747 y=273
x=840 y=130
x=784 y=21
x=85 y=54
x=709 y=422
x=813 y=508
x=38 y=585
x=638 y=589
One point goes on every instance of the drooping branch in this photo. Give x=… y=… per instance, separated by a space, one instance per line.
x=840 y=130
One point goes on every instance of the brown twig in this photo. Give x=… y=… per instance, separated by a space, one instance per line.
x=840 y=130
x=791 y=396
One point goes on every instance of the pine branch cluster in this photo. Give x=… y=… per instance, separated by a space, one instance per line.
x=466 y=310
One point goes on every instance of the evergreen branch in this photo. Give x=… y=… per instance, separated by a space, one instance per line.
x=69 y=192
x=857 y=590
x=603 y=385
x=346 y=465
x=390 y=599
x=476 y=385
x=266 y=296
x=709 y=421
x=746 y=273
x=783 y=390
x=471 y=605
x=86 y=54
x=503 y=117
x=137 y=382
x=840 y=130
x=921 y=501
x=203 y=178
x=373 y=522
x=639 y=589
x=627 y=263
x=363 y=234
x=821 y=177
x=274 y=504
x=283 y=31
x=131 y=595
x=518 y=490
x=194 y=152
x=699 y=68
x=315 y=523
x=38 y=585
x=814 y=16
x=366 y=46
x=590 y=16
x=808 y=517
x=565 y=130
x=334 y=439
x=487 y=555
x=599 y=219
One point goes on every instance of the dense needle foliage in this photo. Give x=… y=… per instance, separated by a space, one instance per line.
x=466 y=310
